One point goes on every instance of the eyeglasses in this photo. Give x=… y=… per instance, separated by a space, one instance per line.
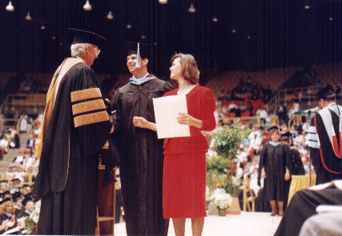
x=97 y=51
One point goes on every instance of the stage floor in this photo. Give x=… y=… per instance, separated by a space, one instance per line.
x=245 y=224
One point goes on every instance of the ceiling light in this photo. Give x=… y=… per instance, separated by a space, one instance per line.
x=233 y=31
x=162 y=1
x=128 y=26
x=87 y=6
x=10 y=7
x=110 y=16
x=192 y=9
x=331 y=18
x=306 y=7
x=215 y=19
x=143 y=37
x=42 y=27
x=28 y=17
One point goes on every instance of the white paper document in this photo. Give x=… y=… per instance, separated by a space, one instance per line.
x=166 y=111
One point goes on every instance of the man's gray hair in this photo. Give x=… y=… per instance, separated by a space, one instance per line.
x=78 y=49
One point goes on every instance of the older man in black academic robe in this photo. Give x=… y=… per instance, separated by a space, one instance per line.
x=139 y=150
x=76 y=125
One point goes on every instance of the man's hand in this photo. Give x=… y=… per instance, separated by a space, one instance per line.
x=140 y=122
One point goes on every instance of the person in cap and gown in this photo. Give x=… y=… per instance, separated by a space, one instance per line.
x=274 y=168
x=3 y=188
x=7 y=213
x=138 y=149
x=28 y=207
x=75 y=127
x=184 y=180
x=296 y=165
x=324 y=136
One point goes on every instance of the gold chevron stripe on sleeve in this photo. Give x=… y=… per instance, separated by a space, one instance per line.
x=91 y=118
x=85 y=94
x=88 y=106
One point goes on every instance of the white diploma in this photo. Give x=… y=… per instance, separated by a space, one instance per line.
x=166 y=111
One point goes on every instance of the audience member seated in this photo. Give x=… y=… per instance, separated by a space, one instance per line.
x=249 y=192
x=262 y=113
x=293 y=108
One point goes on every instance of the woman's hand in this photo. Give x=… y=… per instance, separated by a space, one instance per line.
x=186 y=119
x=287 y=175
x=263 y=173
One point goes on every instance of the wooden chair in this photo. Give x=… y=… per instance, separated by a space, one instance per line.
x=246 y=188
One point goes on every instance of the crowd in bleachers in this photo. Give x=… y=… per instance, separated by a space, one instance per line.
x=16 y=203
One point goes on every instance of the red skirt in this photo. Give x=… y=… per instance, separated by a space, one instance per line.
x=184 y=183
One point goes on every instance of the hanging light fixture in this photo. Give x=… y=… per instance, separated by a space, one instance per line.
x=42 y=27
x=143 y=36
x=163 y=1
x=87 y=6
x=128 y=26
x=330 y=18
x=306 y=7
x=10 y=7
x=192 y=9
x=215 y=19
x=28 y=16
x=233 y=31
x=110 y=16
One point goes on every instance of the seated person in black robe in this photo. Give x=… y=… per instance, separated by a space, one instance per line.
x=7 y=214
x=28 y=207
x=303 y=205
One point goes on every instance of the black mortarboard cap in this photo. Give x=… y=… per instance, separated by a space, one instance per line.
x=16 y=179
x=84 y=36
x=4 y=181
x=16 y=198
x=5 y=200
x=27 y=199
x=287 y=135
x=142 y=50
x=7 y=193
x=325 y=92
x=272 y=128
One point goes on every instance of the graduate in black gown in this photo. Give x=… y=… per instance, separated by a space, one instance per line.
x=296 y=165
x=273 y=167
x=75 y=127
x=139 y=150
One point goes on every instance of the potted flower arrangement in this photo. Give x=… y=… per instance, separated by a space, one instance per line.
x=222 y=157
x=222 y=200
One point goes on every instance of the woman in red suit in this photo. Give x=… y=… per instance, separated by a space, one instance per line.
x=184 y=178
